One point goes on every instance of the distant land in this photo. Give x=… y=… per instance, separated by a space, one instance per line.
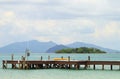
x=47 y=47
x=56 y=47
x=80 y=50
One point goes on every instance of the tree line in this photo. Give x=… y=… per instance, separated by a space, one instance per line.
x=80 y=50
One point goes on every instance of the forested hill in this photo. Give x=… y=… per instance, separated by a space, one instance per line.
x=80 y=50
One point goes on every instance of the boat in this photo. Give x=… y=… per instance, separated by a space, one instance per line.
x=60 y=59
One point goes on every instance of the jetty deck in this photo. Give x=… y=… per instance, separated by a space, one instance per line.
x=41 y=64
x=58 y=63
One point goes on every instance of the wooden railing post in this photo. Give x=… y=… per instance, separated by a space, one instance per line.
x=68 y=58
x=48 y=57
x=88 y=58
x=41 y=58
x=12 y=57
x=61 y=57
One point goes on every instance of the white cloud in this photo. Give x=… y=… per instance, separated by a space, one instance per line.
x=23 y=1
x=110 y=30
x=63 y=21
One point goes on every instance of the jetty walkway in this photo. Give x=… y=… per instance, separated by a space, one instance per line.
x=57 y=64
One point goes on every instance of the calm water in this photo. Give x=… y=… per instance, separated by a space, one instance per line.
x=62 y=73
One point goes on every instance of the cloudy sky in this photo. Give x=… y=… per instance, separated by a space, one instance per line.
x=62 y=21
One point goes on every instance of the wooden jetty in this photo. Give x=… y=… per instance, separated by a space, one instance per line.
x=48 y=64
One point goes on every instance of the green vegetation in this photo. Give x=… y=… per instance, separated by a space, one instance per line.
x=80 y=50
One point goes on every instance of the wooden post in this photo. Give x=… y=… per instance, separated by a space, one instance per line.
x=85 y=66
x=12 y=57
x=48 y=57
x=3 y=64
x=111 y=66
x=6 y=64
x=23 y=62
x=18 y=64
x=80 y=66
x=71 y=66
x=41 y=58
x=32 y=66
x=88 y=61
x=94 y=66
x=61 y=57
x=46 y=66
x=68 y=58
x=88 y=58
x=119 y=67
x=77 y=66
x=103 y=67
x=22 y=59
x=68 y=66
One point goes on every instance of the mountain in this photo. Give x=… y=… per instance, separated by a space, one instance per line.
x=81 y=44
x=42 y=47
x=55 y=48
x=33 y=45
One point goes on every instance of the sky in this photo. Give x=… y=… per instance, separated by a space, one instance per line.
x=61 y=21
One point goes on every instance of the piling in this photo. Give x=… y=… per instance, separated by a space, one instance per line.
x=6 y=64
x=18 y=64
x=94 y=66
x=88 y=61
x=111 y=67
x=24 y=64
x=119 y=67
x=103 y=67
x=3 y=66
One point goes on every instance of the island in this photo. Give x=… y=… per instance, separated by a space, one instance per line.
x=81 y=50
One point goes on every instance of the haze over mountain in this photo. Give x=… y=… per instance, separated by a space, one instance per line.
x=34 y=46
x=81 y=44
x=55 y=48
x=43 y=47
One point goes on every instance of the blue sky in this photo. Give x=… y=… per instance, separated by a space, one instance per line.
x=61 y=21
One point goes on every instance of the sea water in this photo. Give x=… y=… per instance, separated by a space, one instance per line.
x=62 y=73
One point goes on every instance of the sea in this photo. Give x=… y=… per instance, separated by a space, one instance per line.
x=61 y=73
